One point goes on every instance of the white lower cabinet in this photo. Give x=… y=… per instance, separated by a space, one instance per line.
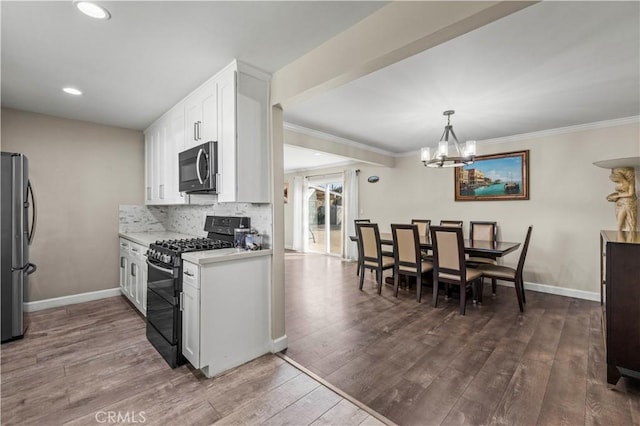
x=226 y=313
x=133 y=273
x=124 y=266
x=190 y=306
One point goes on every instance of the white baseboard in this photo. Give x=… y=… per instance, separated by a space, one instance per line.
x=558 y=291
x=279 y=344
x=286 y=247
x=56 y=302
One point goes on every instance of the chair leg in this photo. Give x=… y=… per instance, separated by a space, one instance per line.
x=419 y=287
x=361 y=278
x=379 y=276
x=396 y=282
x=494 y=285
x=475 y=290
x=463 y=298
x=518 y=288
x=435 y=292
x=524 y=298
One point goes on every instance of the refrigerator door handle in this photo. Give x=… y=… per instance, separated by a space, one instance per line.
x=31 y=268
x=32 y=229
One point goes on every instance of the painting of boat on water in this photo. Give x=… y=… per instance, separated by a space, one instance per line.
x=494 y=177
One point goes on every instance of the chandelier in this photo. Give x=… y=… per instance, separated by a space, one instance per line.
x=464 y=156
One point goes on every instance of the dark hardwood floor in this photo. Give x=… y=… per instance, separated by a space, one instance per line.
x=82 y=363
x=419 y=365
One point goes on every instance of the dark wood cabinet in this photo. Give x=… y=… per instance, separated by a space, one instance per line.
x=620 y=298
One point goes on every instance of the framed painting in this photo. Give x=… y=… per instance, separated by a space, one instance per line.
x=494 y=177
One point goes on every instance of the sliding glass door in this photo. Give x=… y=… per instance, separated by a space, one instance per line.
x=325 y=215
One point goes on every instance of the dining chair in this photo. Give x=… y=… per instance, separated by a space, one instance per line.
x=408 y=259
x=449 y=266
x=423 y=230
x=372 y=258
x=485 y=231
x=507 y=273
x=423 y=226
x=457 y=223
x=356 y=222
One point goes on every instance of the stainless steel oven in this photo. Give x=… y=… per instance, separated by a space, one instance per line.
x=164 y=322
x=164 y=282
x=198 y=169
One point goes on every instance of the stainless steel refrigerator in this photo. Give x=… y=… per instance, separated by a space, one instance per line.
x=17 y=218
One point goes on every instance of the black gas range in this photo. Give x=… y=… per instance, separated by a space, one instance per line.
x=164 y=282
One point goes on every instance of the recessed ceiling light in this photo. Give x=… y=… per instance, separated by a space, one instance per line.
x=92 y=9
x=72 y=91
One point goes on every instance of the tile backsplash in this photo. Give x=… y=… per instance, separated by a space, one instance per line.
x=142 y=218
x=189 y=219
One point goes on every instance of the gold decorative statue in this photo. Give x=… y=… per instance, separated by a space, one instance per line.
x=625 y=198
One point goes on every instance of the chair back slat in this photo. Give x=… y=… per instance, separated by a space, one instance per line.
x=369 y=245
x=457 y=223
x=406 y=245
x=423 y=226
x=486 y=231
x=448 y=251
x=523 y=253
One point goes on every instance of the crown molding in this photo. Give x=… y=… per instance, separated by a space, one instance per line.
x=550 y=132
x=337 y=139
x=326 y=166
x=563 y=130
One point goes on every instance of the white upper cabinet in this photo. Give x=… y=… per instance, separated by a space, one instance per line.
x=164 y=139
x=231 y=108
x=243 y=134
x=201 y=112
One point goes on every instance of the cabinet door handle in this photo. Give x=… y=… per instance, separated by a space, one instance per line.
x=133 y=269
x=199 y=123
x=121 y=261
x=135 y=250
x=149 y=193
x=189 y=274
x=195 y=126
x=181 y=301
x=161 y=191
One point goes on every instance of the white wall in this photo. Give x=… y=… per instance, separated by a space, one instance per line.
x=567 y=205
x=81 y=172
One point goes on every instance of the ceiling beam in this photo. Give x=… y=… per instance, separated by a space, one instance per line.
x=394 y=32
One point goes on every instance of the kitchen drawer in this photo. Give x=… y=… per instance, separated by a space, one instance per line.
x=137 y=250
x=124 y=244
x=191 y=274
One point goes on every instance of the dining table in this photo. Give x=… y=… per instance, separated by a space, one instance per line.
x=485 y=248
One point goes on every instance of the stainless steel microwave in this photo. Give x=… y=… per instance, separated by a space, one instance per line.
x=198 y=169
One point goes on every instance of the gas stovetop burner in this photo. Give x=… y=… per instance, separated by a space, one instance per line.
x=193 y=244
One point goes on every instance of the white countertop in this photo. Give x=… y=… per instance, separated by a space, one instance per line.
x=222 y=255
x=197 y=257
x=146 y=238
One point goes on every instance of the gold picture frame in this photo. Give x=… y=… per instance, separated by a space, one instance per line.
x=495 y=177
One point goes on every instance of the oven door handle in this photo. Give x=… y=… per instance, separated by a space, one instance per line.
x=165 y=270
x=200 y=152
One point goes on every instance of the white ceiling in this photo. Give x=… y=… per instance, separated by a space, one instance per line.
x=149 y=55
x=551 y=65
